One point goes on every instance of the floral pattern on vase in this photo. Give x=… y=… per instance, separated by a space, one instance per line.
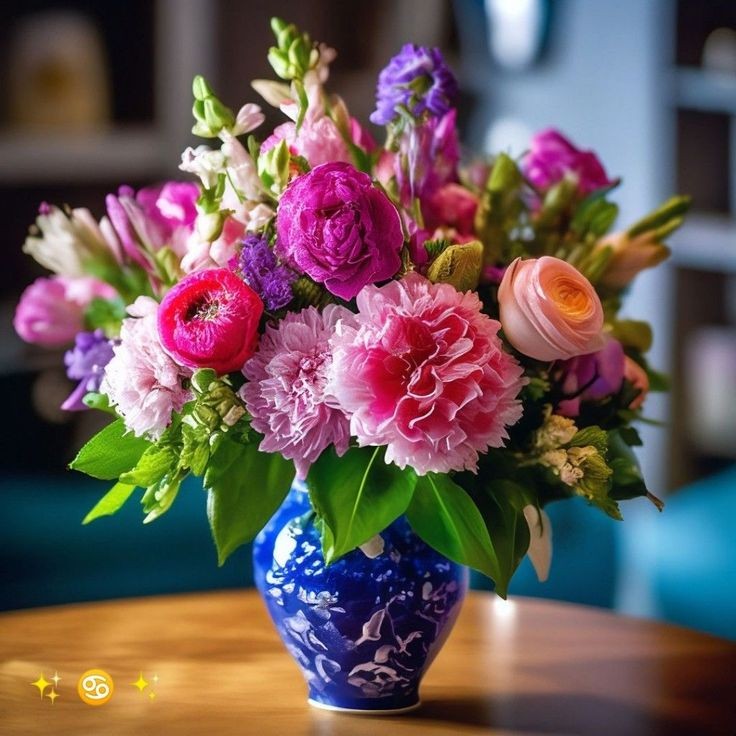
x=364 y=629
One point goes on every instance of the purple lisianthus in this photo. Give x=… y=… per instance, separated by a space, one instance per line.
x=416 y=78
x=260 y=269
x=334 y=225
x=591 y=377
x=552 y=157
x=85 y=363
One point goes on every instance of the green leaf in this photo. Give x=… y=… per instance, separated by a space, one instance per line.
x=591 y=436
x=111 y=502
x=110 y=453
x=444 y=515
x=105 y=314
x=245 y=487
x=155 y=463
x=459 y=265
x=501 y=505
x=357 y=496
x=159 y=498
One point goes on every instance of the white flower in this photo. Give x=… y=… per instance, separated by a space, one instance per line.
x=64 y=244
x=205 y=162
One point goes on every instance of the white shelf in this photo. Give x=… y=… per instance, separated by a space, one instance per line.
x=701 y=89
x=707 y=242
x=117 y=154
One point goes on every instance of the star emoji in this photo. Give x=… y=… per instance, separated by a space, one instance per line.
x=52 y=695
x=56 y=679
x=42 y=683
x=140 y=683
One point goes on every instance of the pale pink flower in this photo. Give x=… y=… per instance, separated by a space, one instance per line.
x=422 y=370
x=141 y=381
x=51 y=310
x=318 y=140
x=286 y=395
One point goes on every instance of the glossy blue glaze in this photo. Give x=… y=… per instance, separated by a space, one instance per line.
x=364 y=629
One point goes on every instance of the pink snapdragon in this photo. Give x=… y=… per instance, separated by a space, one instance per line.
x=51 y=310
x=141 y=381
x=422 y=370
x=286 y=394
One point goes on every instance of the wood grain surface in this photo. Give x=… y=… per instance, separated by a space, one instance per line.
x=518 y=667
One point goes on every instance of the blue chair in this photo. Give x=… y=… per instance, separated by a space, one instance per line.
x=688 y=555
x=48 y=557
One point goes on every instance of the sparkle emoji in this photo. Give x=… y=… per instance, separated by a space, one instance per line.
x=140 y=683
x=42 y=683
x=52 y=695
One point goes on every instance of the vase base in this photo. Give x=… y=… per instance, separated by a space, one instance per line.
x=365 y=711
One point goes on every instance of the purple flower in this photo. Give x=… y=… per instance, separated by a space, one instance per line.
x=428 y=158
x=338 y=228
x=285 y=394
x=416 y=78
x=261 y=271
x=552 y=157
x=591 y=377
x=85 y=363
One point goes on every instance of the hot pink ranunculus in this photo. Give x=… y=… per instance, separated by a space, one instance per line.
x=551 y=157
x=285 y=394
x=210 y=320
x=51 y=310
x=421 y=370
x=334 y=225
x=591 y=377
x=549 y=310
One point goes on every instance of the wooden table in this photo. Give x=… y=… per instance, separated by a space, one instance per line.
x=525 y=666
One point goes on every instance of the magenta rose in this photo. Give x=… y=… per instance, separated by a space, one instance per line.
x=552 y=157
x=210 y=320
x=339 y=229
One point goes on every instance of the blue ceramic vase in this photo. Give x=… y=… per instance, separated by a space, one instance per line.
x=365 y=629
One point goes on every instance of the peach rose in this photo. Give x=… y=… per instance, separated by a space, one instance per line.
x=638 y=377
x=549 y=310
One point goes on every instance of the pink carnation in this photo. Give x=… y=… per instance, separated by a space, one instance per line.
x=141 y=380
x=286 y=396
x=421 y=370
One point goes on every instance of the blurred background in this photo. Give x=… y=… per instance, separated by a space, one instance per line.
x=95 y=94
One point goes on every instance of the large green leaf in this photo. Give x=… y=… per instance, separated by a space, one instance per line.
x=501 y=504
x=110 y=453
x=111 y=502
x=444 y=515
x=245 y=487
x=357 y=496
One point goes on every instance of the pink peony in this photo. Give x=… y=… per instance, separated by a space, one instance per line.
x=334 y=225
x=141 y=380
x=51 y=310
x=552 y=157
x=286 y=390
x=453 y=206
x=210 y=320
x=422 y=370
x=591 y=377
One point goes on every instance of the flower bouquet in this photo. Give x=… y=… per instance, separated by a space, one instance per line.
x=433 y=350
